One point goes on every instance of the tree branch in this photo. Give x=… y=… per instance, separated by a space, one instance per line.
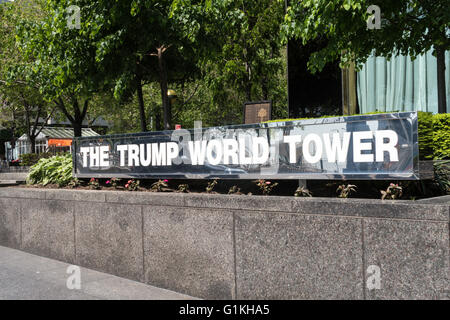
x=85 y=107
x=62 y=107
x=46 y=120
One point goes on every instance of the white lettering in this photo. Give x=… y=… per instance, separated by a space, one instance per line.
x=122 y=149
x=145 y=149
x=293 y=140
x=104 y=156
x=133 y=155
x=94 y=157
x=230 y=150
x=260 y=144
x=359 y=146
x=335 y=149
x=214 y=145
x=389 y=147
x=172 y=152
x=158 y=154
x=318 y=147
x=197 y=151
x=85 y=151
x=243 y=159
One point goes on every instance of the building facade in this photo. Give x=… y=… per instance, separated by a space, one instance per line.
x=51 y=139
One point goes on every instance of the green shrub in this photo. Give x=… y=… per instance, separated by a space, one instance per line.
x=441 y=136
x=54 y=170
x=30 y=159
x=442 y=175
x=426 y=149
x=434 y=136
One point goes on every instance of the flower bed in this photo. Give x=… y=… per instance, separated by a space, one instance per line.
x=385 y=190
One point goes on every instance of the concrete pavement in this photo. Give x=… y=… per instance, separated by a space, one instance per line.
x=24 y=276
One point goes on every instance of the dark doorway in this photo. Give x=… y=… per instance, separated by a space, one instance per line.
x=312 y=95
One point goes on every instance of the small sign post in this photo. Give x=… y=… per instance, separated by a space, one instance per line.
x=257 y=112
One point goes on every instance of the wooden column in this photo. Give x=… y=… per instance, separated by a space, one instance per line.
x=349 y=98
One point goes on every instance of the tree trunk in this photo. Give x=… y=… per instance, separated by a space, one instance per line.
x=77 y=125
x=141 y=106
x=157 y=115
x=33 y=144
x=442 y=97
x=167 y=114
x=77 y=121
x=79 y=116
x=13 y=133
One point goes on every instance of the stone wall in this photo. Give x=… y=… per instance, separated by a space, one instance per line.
x=239 y=247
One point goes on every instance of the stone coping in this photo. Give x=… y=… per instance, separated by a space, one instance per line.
x=437 y=209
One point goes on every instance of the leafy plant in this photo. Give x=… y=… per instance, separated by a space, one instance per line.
x=266 y=187
x=132 y=185
x=94 y=184
x=234 y=190
x=211 y=185
x=54 y=170
x=394 y=191
x=183 y=188
x=442 y=176
x=441 y=136
x=344 y=191
x=74 y=183
x=434 y=140
x=28 y=159
x=113 y=182
x=302 y=192
x=161 y=186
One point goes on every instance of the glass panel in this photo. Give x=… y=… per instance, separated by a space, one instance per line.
x=401 y=84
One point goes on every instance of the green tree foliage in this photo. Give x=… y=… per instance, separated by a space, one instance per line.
x=250 y=62
x=215 y=54
x=138 y=42
x=23 y=107
x=63 y=60
x=407 y=27
x=215 y=33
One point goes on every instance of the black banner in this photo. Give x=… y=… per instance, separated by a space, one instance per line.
x=380 y=146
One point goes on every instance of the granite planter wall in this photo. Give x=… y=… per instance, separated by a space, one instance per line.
x=239 y=247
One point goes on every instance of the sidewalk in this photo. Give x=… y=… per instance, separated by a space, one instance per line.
x=24 y=276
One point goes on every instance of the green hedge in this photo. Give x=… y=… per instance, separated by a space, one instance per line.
x=426 y=151
x=30 y=159
x=441 y=136
x=434 y=134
